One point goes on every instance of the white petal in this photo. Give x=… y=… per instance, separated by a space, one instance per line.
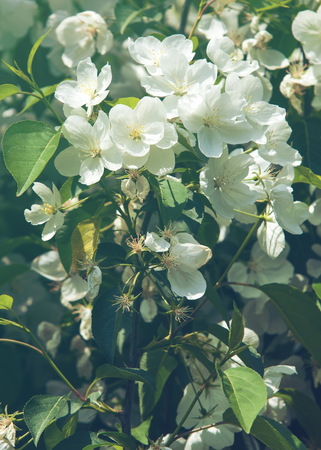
x=91 y=171
x=160 y=161
x=73 y=288
x=190 y=284
x=49 y=266
x=36 y=216
x=68 y=162
x=44 y=193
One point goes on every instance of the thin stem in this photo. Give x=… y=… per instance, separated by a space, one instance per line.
x=46 y=102
x=201 y=11
x=25 y=445
x=237 y=254
x=22 y=343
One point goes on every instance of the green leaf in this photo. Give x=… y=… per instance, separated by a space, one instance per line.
x=106 y=322
x=249 y=356
x=84 y=240
x=31 y=100
x=127 y=101
x=34 y=49
x=208 y=231
x=18 y=72
x=6 y=90
x=307 y=413
x=317 y=289
x=120 y=438
x=171 y=197
x=71 y=188
x=160 y=365
x=6 y=301
x=10 y=322
x=194 y=39
x=53 y=435
x=84 y=440
x=274 y=435
x=126 y=14
x=216 y=301
x=109 y=371
x=7 y=273
x=236 y=332
x=305 y=175
x=140 y=433
x=64 y=234
x=27 y=148
x=246 y=393
x=67 y=412
x=11 y=244
x=40 y=411
x=300 y=313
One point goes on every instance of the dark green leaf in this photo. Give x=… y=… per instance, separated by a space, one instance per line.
x=307 y=413
x=6 y=90
x=300 y=313
x=11 y=244
x=106 y=322
x=274 y=435
x=216 y=301
x=172 y=197
x=7 y=273
x=160 y=365
x=40 y=411
x=109 y=371
x=236 y=332
x=84 y=440
x=71 y=188
x=27 y=148
x=68 y=411
x=120 y=438
x=208 y=232
x=246 y=393
x=126 y=14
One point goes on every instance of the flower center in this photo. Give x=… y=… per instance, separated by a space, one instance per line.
x=48 y=209
x=135 y=131
x=169 y=261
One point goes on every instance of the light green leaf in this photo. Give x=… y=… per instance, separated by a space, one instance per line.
x=18 y=72
x=195 y=41
x=34 y=49
x=40 y=411
x=9 y=322
x=246 y=393
x=307 y=413
x=6 y=301
x=126 y=14
x=275 y=435
x=140 y=433
x=84 y=240
x=305 y=175
x=127 y=101
x=71 y=188
x=6 y=90
x=31 y=100
x=109 y=371
x=236 y=331
x=160 y=365
x=317 y=289
x=300 y=313
x=27 y=148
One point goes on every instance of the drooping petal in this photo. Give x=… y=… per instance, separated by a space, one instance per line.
x=187 y=283
x=68 y=162
x=91 y=171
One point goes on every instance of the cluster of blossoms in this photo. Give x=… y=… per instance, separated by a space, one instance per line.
x=214 y=112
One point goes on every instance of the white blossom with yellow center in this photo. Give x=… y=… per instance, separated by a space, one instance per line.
x=92 y=150
x=48 y=212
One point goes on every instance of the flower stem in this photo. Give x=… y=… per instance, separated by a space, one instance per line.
x=201 y=11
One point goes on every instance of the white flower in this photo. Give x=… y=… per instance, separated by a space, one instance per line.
x=260 y=269
x=222 y=181
x=82 y=35
x=51 y=335
x=256 y=49
x=223 y=53
x=270 y=235
x=93 y=149
x=183 y=257
x=49 y=266
x=216 y=118
x=84 y=313
x=148 y=50
x=7 y=432
x=135 y=130
x=136 y=187
x=212 y=27
x=89 y=89
x=48 y=212
x=306 y=29
x=273 y=377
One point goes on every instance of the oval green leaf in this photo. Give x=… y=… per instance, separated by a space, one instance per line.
x=109 y=371
x=40 y=411
x=6 y=301
x=246 y=393
x=27 y=148
x=6 y=90
x=300 y=313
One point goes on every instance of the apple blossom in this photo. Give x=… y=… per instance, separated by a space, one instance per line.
x=88 y=90
x=306 y=29
x=48 y=212
x=92 y=150
x=81 y=35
